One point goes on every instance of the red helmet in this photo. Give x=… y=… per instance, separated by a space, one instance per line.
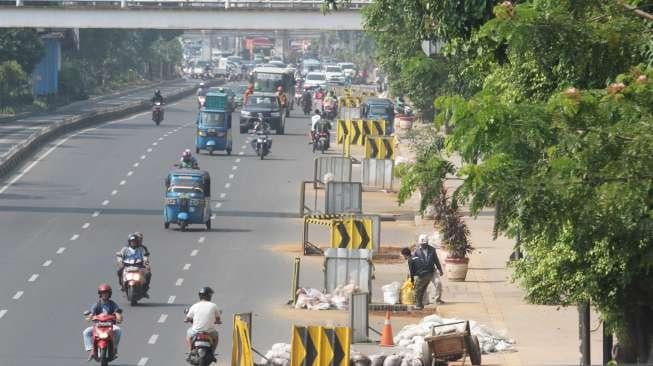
x=104 y=288
x=280 y=88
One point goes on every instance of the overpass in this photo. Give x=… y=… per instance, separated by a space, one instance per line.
x=179 y=14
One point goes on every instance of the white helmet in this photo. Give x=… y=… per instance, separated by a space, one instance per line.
x=423 y=239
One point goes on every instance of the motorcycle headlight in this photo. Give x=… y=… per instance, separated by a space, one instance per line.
x=275 y=114
x=103 y=335
x=201 y=133
x=171 y=201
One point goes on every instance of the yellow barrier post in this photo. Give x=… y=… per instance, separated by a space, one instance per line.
x=241 y=350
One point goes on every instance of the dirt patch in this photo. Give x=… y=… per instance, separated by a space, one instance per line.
x=293 y=248
x=407 y=314
x=388 y=254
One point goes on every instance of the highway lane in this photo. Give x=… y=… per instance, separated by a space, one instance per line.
x=99 y=185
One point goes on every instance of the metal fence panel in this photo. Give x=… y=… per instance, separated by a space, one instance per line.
x=377 y=173
x=340 y=167
x=359 y=317
x=345 y=266
x=343 y=197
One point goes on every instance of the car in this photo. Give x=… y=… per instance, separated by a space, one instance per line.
x=334 y=74
x=348 y=68
x=240 y=92
x=265 y=104
x=276 y=63
x=315 y=79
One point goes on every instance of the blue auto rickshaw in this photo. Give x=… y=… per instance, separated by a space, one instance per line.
x=187 y=198
x=214 y=124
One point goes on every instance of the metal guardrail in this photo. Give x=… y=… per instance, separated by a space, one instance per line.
x=166 y=4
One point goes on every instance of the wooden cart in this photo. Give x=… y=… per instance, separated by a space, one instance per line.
x=454 y=344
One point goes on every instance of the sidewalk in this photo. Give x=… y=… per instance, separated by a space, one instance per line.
x=16 y=135
x=544 y=335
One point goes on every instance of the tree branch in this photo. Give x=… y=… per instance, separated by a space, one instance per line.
x=635 y=10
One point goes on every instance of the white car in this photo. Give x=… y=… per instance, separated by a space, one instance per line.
x=348 y=68
x=315 y=79
x=334 y=74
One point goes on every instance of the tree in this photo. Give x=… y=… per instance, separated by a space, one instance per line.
x=22 y=45
x=14 y=84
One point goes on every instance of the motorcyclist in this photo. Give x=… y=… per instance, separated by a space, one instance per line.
x=283 y=100
x=108 y=306
x=307 y=99
x=202 y=90
x=248 y=92
x=319 y=94
x=188 y=160
x=135 y=254
x=204 y=314
x=329 y=99
x=319 y=125
x=260 y=125
x=157 y=97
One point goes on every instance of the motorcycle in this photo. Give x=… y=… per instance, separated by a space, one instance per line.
x=133 y=282
x=157 y=113
x=103 y=337
x=321 y=141
x=201 y=349
x=262 y=143
x=330 y=111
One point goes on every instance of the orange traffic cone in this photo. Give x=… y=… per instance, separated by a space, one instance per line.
x=386 y=335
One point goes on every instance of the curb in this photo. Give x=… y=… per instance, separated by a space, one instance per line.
x=33 y=143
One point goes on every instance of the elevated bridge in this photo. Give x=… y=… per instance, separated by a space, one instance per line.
x=179 y=14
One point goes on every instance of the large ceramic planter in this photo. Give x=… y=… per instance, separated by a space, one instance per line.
x=405 y=122
x=456 y=268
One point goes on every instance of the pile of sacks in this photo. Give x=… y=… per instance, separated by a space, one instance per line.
x=412 y=336
x=313 y=299
x=278 y=355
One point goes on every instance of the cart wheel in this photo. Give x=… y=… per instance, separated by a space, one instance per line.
x=208 y=225
x=166 y=225
x=228 y=151
x=182 y=227
x=197 y=150
x=473 y=349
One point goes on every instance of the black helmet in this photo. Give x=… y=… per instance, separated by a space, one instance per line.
x=133 y=238
x=157 y=92
x=205 y=293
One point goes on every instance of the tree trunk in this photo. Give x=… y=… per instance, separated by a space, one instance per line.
x=636 y=339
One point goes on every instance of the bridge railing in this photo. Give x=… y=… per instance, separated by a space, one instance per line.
x=224 y=4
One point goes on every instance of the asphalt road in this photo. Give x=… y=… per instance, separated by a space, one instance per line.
x=70 y=208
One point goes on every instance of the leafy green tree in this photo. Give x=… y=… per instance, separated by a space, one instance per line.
x=22 y=45
x=14 y=85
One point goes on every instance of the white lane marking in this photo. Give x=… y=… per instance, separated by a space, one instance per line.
x=18 y=295
x=47 y=263
x=153 y=339
x=136 y=164
x=186 y=267
x=217 y=205
x=142 y=361
x=241 y=153
x=223 y=195
x=129 y=173
x=237 y=160
x=114 y=192
x=201 y=239
x=86 y=225
x=227 y=185
x=160 y=138
x=33 y=277
x=171 y=299
x=243 y=147
x=74 y=237
x=212 y=216
x=173 y=131
x=96 y=214
x=61 y=250
x=194 y=252
x=39 y=159
x=179 y=281
x=2 y=313
x=165 y=135
x=231 y=176
x=105 y=202
x=149 y=149
x=155 y=143
x=235 y=167
x=143 y=157
x=122 y=182
x=162 y=318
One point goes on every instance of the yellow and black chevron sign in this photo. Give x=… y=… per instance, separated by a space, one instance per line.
x=377 y=147
x=320 y=346
x=352 y=233
x=373 y=128
x=342 y=130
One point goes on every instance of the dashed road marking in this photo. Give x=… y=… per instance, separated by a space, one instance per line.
x=2 y=313
x=243 y=147
x=33 y=277
x=143 y=157
x=155 y=143
x=162 y=318
x=61 y=250
x=186 y=267
x=149 y=149
x=171 y=299
x=96 y=214
x=231 y=176
x=235 y=167
x=153 y=339
x=142 y=361
x=237 y=160
x=86 y=225
x=18 y=295
x=160 y=138
x=122 y=182
x=201 y=239
x=223 y=195
x=241 y=153
x=212 y=216
x=194 y=252
x=217 y=205
x=114 y=192
x=47 y=263
x=74 y=237
x=136 y=164
x=173 y=131
x=179 y=281
x=227 y=185
x=105 y=202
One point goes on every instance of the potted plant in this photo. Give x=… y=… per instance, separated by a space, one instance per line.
x=455 y=237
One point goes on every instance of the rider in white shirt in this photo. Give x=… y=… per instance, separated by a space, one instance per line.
x=204 y=315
